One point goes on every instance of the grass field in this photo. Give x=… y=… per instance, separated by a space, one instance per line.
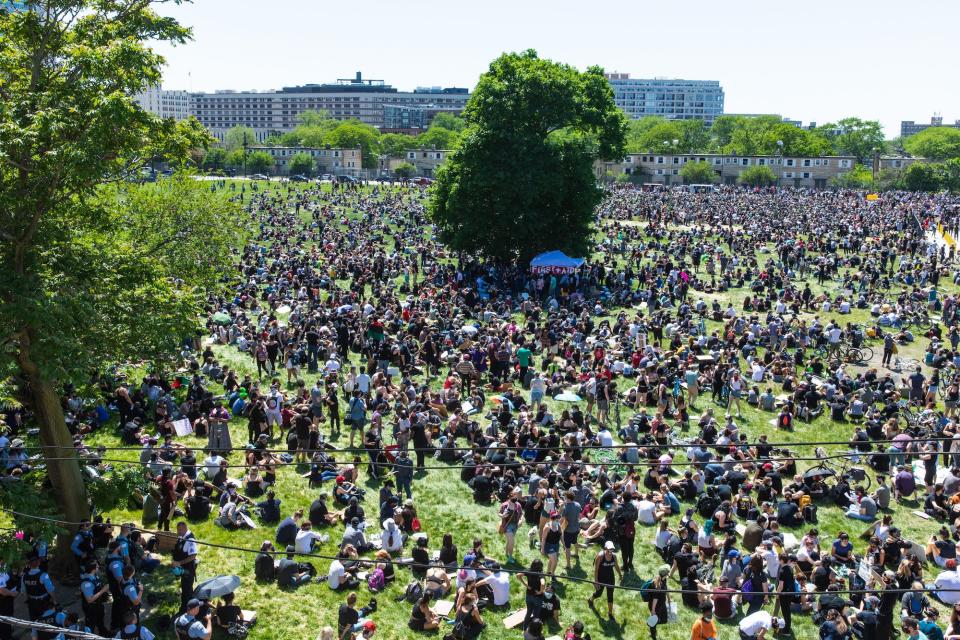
x=445 y=505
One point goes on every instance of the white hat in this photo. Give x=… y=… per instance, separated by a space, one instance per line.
x=389 y=524
x=608 y=545
x=779 y=623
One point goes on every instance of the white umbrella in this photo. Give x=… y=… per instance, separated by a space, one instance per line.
x=568 y=396
x=468 y=328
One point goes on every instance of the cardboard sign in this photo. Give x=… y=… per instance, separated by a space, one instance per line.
x=515 y=619
x=183 y=427
x=442 y=607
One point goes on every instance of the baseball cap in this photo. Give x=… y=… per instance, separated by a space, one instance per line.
x=608 y=545
x=664 y=570
x=951 y=564
x=733 y=553
x=192 y=603
x=469 y=558
x=369 y=625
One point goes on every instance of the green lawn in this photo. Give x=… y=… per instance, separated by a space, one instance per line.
x=445 y=505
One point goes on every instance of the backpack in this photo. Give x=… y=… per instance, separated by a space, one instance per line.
x=786 y=420
x=646 y=591
x=376 y=581
x=707 y=505
x=413 y=592
x=745 y=590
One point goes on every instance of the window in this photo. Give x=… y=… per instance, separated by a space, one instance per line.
x=761 y=161
x=745 y=162
x=806 y=162
x=659 y=172
x=716 y=161
x=806 y=175
x=676 y=172
x=817 y=162
x=676 y=160
x=790 y=162
x=788 y=174
x=826 y=163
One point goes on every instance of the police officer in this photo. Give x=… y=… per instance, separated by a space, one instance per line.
x=185 y=557
x=123 y=539
x=403 y=466
x=9 y=590
x=189 y=626
x=115 y=566
x=94 y=591
x=132 y=590
x=132 y=629
x=82 y=545
x=39 y=588
x=72 y=623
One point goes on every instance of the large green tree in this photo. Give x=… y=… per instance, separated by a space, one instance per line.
x=758 y=176
x=300 y=163
x=237 y=136
x=854 y=137
x=935 y=143
x=698 y=173
x=78 y=289
x=259 y=162
x=511 y=189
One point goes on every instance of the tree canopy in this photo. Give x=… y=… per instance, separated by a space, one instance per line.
x=89 y=274
x=698 y=173
x=935 y=143
x=512 y=189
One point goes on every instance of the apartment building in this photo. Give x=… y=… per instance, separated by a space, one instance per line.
x=166 y=103
x=425 y=160
x=909 y=127
x=790 y=171
x=669 y=98
x=357 y=98
x=413 y=119
x=336 y=161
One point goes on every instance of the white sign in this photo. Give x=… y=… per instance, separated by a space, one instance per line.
x=183 y=427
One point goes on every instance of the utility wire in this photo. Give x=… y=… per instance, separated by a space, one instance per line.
x=544 y=575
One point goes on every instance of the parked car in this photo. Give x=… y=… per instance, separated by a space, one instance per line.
x=346 y=179
x=299 y=178
x=423 y=182
x=259 y=176
x=327 y=177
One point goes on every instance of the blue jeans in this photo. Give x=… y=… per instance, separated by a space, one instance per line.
x=856 y=515
x=404 y=486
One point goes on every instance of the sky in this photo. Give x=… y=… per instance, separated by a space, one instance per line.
x=815 y=60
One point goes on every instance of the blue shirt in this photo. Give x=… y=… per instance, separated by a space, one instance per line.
x=115 y=567
x=131 y=592
x=86 y=585
x=931 y=630
x=44 y=580
x=79 y=540
x=144 y=632
x=196 y=628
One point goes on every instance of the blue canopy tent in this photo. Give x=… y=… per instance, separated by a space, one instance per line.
x=555 y=262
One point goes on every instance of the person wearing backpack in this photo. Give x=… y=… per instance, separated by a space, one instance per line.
x=468 y=624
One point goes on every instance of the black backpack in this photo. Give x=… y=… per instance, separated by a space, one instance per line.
x=707 y=505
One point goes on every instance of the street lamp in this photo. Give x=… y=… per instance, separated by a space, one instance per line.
x=780 y=162
x=244 y=154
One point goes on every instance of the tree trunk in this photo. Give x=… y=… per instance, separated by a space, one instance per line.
x=63 y=467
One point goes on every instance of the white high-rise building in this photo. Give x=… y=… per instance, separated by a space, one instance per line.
x=166 y=103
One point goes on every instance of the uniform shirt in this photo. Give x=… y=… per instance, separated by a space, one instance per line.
x=131 y=592
x=190 y=545
x=196 y=628
x=44 y=580
x=86 y=585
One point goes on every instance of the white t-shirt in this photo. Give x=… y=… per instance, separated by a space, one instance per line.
x=605 y=438
x=336 y=574
x=464 y=576
x=948 y=580
x=500 y=585
x=756 y=622
x=646 y=512
x=363 y=382
x=304 y=543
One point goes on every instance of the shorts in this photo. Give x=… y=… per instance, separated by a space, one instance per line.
x=316 y=410
x=570 y=538
x=511 y=528
x=736 y=394
x=357 y=425
x=551 y=548
x=536 y=396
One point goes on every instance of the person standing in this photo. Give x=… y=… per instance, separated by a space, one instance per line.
x=604 y=568
x=659 y=601
x=218 y=430
x=786 y=589
x=38 y=587
x=403 y=468
x=185 y=557
x=357 y=412
x=570 y=523
x=9 y=590
x=93 y=590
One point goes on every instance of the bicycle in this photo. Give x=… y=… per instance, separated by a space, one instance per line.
x=844 y=467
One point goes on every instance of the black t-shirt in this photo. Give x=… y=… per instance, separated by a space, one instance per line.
x=787 y=512
x=684 y=562
x=549 y=606
x=869 y=619
x=533 y=582
x=347 y=616
x=947 y=548
x=318 y=512
x=786 y=577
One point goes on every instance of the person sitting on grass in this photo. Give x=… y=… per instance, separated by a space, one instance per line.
x=422 y=617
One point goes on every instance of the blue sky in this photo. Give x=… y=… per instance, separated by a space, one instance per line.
x=813 y=60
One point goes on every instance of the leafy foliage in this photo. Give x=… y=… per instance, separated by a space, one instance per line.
x=237 y=136
x=405 y=170
x=26 y=496
x=698 y=173
x=259 y=162
x=935 y=143
x=758 y=176
x=300 y=163
x=511 y=189
x=115 y=489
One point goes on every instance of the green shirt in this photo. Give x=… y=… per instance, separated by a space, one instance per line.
x=523 y=356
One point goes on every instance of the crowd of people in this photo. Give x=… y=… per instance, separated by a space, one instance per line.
x=374 y=354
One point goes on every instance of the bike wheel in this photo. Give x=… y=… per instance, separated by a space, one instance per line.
x=854 y=355
x=867 y=352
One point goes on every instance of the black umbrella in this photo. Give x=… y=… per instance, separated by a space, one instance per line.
x=823 y=472
x=216 y=587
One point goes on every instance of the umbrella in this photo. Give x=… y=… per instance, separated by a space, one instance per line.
x=216 y=587
x=468 y=328
x=568 y=396
x=823 y=472
x=284 y=308
x=221 y=318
